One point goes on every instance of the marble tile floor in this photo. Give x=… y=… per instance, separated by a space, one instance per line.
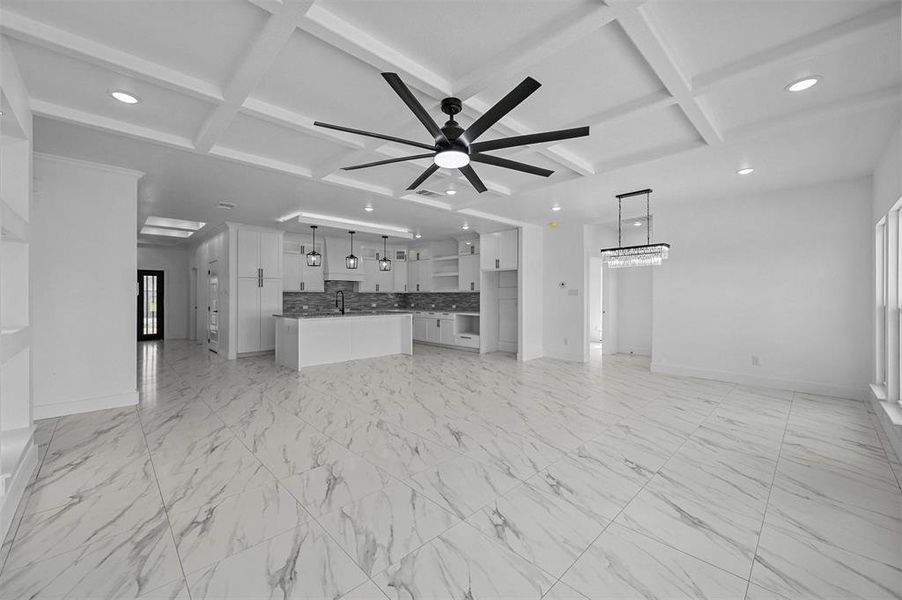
x=450 y=475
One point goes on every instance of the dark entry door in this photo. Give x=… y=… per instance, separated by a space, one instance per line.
x=150 y=305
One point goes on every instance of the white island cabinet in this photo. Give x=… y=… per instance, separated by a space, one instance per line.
x=304 y=341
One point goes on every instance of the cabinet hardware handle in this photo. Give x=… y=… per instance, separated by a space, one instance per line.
x=472 y=286
x=497 y=263
x=302 y=286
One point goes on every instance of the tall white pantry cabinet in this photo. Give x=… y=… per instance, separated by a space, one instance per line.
x=258 y=271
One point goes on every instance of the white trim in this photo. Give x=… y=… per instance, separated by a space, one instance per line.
x=893 y=410
x=89 y=165
x=851 y=392
x=74 y=407
x=9 y=501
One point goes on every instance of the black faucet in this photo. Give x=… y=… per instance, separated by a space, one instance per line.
x=342 y=294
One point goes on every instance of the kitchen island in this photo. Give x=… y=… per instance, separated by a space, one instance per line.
x=307 y=339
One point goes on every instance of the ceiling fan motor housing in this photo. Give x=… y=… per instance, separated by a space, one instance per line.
x=451 y=107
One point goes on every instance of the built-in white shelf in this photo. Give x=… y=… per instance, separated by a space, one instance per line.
x=14 y=227
x=445 y=274
x=13 y=340
x=451 y=257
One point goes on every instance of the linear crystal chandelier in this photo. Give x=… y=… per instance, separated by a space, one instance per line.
x=646 y=255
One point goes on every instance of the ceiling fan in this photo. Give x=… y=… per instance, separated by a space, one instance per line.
x=455 y=147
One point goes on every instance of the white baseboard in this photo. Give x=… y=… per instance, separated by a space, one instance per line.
x=852 y=392
x=73 y=407
x=9 y=501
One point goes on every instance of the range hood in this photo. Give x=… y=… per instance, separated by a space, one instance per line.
x=334 y=251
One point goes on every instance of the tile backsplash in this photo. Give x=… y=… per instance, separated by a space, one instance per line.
x=295 y=302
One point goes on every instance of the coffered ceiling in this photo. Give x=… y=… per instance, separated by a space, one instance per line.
x=679 y=94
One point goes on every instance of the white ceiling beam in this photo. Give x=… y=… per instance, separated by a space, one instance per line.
x=94 y=121
x=520 y=57
x=256 y=160
x=510 y=126
x=825 y=40
x=811 y=116
x=298 y=122
x=356 y=184
x=275 y=35
x=478 y=214
x=75 y=46
x=333 y=30
x=652 y=48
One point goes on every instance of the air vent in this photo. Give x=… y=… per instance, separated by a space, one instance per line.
x=428 y=194
x=227 y=205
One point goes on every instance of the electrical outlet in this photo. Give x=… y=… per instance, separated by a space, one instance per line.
x=566 y=342
x=373 y=305
x=303 y=307
x=756 y=362
x=453 y=306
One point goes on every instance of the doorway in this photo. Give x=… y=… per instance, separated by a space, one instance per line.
x=150 y=305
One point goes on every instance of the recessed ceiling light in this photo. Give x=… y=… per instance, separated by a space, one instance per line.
x=179 y=233
x=556 y=207
x=803 y=84
x=464 y=226
x=637 y=224
x=174 y=223
x=417 y=235
x=746 y=171
x=368 y=208
x=124 y=97
x=450 y=192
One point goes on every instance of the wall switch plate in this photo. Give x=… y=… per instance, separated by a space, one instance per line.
x=756 y=362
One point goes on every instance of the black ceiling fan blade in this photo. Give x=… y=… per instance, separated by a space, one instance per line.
x=380 y=136
x=388 y=161
x=423 y=177
x=509 y=164
x=473 y=178
x=414 y=105
x=530 y=138
x=501 y=108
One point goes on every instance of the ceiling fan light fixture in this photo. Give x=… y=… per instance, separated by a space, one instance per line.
x=452 y=159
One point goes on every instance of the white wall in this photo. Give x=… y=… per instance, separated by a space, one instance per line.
x=596 y=271
x=531 y=334
x=565 y=308
x=777 y=275
x=887 y=177
x=174 y=264
x=634 y=310
x=83 y=272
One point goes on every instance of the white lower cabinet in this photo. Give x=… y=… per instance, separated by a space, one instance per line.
x=433 y=329
x=446 y=329
x=419 y=328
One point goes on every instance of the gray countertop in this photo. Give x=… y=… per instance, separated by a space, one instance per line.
x=331 y=315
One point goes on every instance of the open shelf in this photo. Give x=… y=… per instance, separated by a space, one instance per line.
x=451 y=257
x=445 y=274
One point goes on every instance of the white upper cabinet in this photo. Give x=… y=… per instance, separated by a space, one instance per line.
x=468 y=273
x=500 y=251
x=399 y=275
x=259 y=253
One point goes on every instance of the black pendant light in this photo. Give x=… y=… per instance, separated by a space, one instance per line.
x=350 y=259
x=314 y=258
x=384 y=262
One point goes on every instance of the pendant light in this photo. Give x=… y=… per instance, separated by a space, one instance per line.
x=350 y=259
x=384 y=262
x=314 y=258
x=644 y=255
